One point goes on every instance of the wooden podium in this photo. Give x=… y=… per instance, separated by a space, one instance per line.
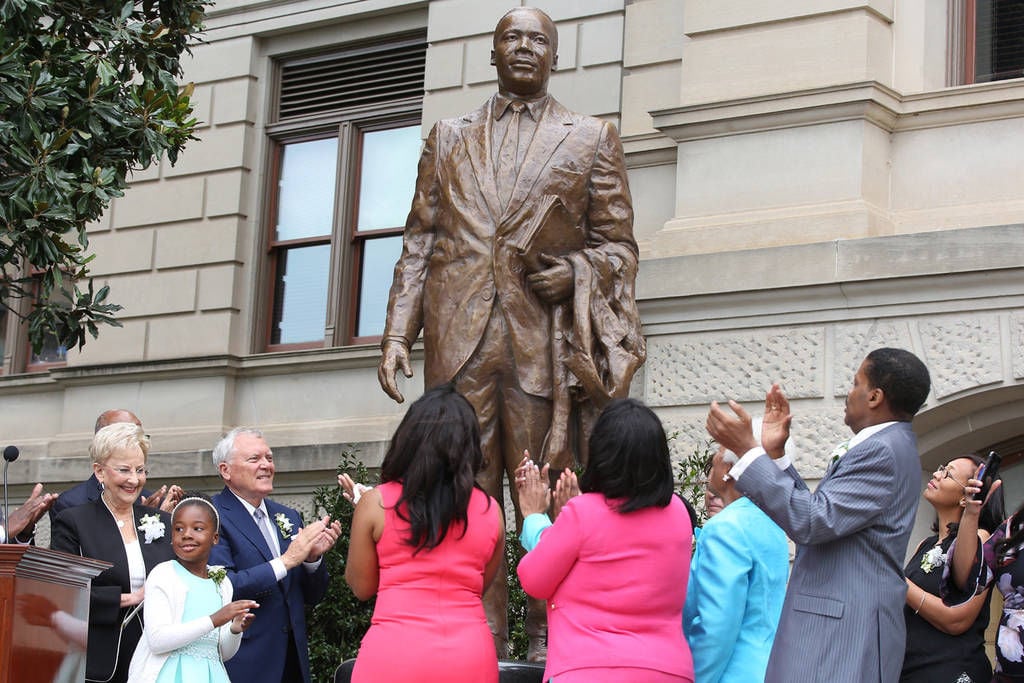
x=44 y=614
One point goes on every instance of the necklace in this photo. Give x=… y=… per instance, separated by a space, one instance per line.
x=119 y=522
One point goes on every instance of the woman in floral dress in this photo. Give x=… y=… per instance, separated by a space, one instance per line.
x=973 y=566
x=946 y=643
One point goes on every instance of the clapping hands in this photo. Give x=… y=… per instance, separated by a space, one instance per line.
x=352 y=490
x=535 y=492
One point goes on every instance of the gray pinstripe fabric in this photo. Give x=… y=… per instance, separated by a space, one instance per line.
x=843 y=615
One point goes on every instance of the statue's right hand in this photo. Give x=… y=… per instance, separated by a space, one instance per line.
x=394 y=355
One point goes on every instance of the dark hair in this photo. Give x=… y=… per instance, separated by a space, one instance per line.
x=1007 y=548
x=992 y=514
x=198 y=499
x=902 y=377
x=435 y=454
x=629 y=457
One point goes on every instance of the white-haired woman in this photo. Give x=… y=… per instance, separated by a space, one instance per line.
x=119 y=530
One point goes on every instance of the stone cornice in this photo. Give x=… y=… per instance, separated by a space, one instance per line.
x=255 y=365
x=868 y=101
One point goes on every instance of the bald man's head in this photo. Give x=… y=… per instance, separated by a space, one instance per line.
x=109 y=417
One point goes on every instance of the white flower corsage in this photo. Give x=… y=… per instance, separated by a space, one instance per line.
x=217 y=572
x=284 y=524
x=838 y=452
x=932 y=559
x=152 y=527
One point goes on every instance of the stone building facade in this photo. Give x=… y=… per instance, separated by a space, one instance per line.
x=811 y=178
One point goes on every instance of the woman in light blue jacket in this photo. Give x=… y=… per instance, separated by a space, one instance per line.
x=737 y=585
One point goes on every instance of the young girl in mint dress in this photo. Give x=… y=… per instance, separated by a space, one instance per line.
x=191 y=624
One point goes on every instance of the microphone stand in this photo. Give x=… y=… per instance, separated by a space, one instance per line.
x=10 y=455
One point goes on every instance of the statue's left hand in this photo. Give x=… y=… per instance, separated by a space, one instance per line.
x=554 y=284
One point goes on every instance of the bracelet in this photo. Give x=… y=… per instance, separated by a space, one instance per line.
x=921 y=604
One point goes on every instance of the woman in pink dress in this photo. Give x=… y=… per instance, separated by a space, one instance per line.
x=427 y=542
x=614 y=565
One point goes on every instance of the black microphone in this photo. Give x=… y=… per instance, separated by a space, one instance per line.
x=11 y=454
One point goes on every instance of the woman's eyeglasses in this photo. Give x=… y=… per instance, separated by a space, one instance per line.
x=947 y=473
x=129 y=471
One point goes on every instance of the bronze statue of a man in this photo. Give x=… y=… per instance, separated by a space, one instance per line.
x=518 y=266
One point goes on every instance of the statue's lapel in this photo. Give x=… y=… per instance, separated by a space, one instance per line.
x=476 y=135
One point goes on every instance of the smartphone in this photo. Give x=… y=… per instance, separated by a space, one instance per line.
x=988 y=474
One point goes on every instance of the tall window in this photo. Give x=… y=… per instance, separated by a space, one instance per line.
x=346 y=143
x=994 y=40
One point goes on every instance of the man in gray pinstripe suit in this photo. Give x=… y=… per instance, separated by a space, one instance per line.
x=843 y=615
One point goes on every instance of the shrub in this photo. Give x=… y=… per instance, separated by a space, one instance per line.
x=338 y=623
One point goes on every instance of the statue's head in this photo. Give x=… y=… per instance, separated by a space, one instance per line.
x=525 y=52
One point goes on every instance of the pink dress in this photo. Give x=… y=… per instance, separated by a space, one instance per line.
x=429 y=622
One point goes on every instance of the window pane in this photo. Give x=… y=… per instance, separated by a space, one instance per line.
x=305 y=200
x=379 y=258
x=52 y=352
x=300 y=295
x=999 y=43
x=388 y=177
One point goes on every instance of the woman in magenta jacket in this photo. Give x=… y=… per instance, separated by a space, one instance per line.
x=613 y=566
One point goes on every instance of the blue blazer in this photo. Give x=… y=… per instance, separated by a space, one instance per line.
x=735 y=594
x=282 y=612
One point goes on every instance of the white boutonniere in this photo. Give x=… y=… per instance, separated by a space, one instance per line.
x=217 y=572
x=838 y=452
x=284 y=524
x=932 y=559
x=152 y=527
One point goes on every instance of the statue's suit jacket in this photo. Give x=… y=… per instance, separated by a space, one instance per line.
x=456 y=262
x=843 y=615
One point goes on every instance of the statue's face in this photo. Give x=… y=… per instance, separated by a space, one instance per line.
x=525 y=52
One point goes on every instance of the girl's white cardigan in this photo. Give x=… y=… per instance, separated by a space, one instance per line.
x=164 y=631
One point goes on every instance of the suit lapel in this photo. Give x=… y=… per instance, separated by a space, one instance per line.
x=476 y=135
x=554 y=125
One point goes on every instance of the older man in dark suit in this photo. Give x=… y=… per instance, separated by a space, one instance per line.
x=270 y=558
x=842 y=619
x=518 y=266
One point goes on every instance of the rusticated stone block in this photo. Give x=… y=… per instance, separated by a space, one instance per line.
x=962 y=353
x=691 y=370
x=1017 y=341
x=855 y=341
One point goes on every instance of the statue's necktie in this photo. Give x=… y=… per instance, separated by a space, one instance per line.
x=508 y=153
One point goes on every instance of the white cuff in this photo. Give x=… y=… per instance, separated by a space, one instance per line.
x=280 y=571
x=750 y=456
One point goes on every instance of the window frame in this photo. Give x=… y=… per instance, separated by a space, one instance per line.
x=340 y=324
x=964 y=43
